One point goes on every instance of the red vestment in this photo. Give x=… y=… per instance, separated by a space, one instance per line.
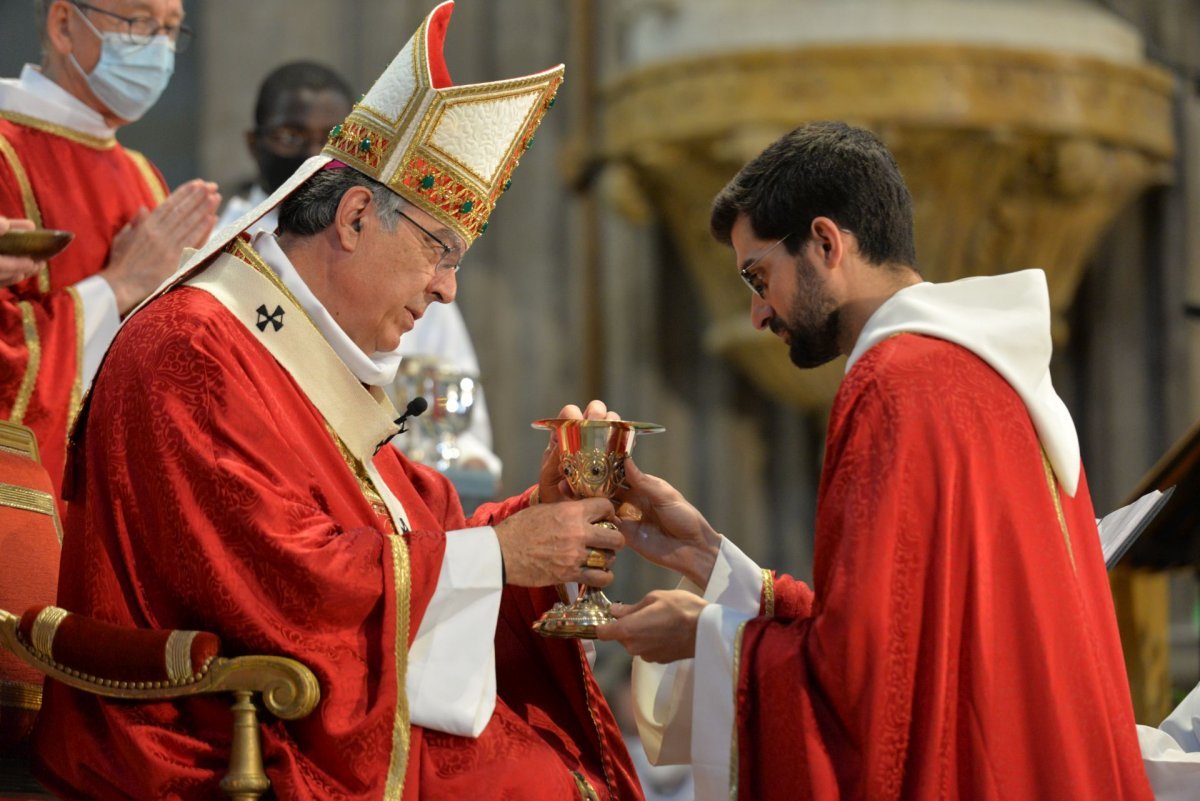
x=92 y=187
x=216 y=498
x=959 y=640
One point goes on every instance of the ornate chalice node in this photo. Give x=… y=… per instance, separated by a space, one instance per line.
x=593 y=462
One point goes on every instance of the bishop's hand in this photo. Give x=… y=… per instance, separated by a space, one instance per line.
x=553 y=543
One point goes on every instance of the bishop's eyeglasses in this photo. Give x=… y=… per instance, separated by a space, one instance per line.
x=450 y=258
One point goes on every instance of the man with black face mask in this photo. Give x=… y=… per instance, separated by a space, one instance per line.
x=298 y=103
x=104 y=64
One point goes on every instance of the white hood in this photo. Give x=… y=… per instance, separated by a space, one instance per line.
x=1004 y=320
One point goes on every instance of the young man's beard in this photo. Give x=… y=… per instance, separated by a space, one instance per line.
x=812 y=323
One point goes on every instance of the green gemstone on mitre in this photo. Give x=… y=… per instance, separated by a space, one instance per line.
x=507 y=184
x=483 y=228
x=427 y=182
x=335 y=132
x=365 y=144
x=466 y=207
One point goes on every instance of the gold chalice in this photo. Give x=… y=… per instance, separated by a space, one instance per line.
x=593 y=462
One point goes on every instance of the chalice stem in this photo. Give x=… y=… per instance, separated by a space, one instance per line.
x=593 y=596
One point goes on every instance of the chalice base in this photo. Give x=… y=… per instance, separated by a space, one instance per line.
x=578 y=620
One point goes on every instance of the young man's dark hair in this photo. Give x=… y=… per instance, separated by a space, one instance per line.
x=291 y=77
x=823 y=169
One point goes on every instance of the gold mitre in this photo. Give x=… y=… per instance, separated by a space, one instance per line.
x=449 y=150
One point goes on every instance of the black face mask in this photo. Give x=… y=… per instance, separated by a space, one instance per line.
x=274 y=170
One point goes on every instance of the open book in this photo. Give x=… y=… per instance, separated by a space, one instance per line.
x=1119 y=529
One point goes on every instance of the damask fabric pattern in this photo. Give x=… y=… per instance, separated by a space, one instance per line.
x=93 y=189
x=962 y=642
x=215 y=499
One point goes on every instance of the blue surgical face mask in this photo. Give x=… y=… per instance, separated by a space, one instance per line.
x=128 y=78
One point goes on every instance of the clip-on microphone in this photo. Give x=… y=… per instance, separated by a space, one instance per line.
x=415 y=408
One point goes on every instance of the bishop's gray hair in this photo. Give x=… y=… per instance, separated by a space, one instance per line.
x=313 y=206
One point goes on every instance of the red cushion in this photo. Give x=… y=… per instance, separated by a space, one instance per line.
x=29 y=542
x=104 y=651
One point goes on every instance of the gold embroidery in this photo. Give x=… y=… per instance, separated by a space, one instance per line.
x=34 y=345
x=178 y=655
x=348 y=144
x=77 y=385
x=44 y=628
x=94 y=142
x=18 y=439
x=149 y=175
x=587 y=696
x=15 y=694
x=733 y=748
x=30 y=500
x=27 y=199
x=360 y=474
x=586 y=793
x=400 y=731
x=768 y=590
x=1052 y=484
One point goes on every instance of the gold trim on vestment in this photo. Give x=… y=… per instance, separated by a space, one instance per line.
x=587 y=697
x=28 y=200
x=30 y=500
x=402 y=577
x=768 y=590
x=94 y=142
x=177 y=656
x=34 y=345
x=44 y=628
x=1052 y=484
x=586 y=792
x=733 y=737
x=77 y=385
x=27 y=197
x=19 y=695
x=19 y=439
x=148 y=175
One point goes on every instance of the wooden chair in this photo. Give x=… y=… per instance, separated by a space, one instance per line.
x=112 y=661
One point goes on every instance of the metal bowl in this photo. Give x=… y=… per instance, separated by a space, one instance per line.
x=38 y=244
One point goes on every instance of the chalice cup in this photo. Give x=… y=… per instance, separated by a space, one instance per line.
x=592 y=458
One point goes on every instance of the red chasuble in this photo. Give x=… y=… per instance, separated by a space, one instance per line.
x=60 y=179
x=215 y=497
x=959 y=641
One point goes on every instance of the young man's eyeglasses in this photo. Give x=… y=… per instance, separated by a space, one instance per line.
x=752 y=278
x=140 y=31
x=450 y=258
